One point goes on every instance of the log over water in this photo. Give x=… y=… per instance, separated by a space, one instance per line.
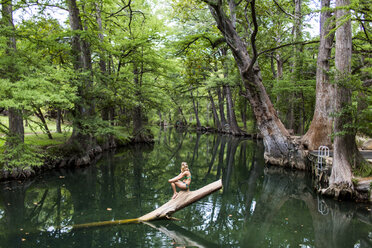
x=183 y=199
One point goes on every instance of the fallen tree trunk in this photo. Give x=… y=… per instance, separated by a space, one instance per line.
x=183 y=199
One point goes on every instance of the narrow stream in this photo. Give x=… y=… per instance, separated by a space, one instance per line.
x=259 y=206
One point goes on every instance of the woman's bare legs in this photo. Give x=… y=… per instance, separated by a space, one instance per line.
x=180 y=185
x=174 y=190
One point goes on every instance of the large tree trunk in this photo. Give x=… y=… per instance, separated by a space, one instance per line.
x=84 y=109
x=346 y=154
x=297 y=66
x=58 y=121
x=231 y=117
x=138 y=130
x=214 y=110
x=234 y=128
x=221 y=108
x=319 y=133
x=198 y=124
x=16 y=129
x=279 y=148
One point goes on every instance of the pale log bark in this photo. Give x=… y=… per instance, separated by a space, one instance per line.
x=183 y=199
x=320 y=129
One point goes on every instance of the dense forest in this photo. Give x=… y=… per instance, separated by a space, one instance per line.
x=77 y=77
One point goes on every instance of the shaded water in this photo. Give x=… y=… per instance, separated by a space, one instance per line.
x=258 y=206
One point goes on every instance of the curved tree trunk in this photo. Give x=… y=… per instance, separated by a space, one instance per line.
x=279 y=148
x=320 y=129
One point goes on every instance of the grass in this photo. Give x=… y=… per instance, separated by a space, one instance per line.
x=33 y=127
x=42 y=140
x=35 y=137
x=363 y=170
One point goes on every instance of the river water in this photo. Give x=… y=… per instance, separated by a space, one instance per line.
x=259 y=206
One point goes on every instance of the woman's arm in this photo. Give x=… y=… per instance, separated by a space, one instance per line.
x=175 y=179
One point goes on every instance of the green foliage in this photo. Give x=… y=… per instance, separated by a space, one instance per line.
x=20 y=156
x=32 y=153
x=359 y=109
x=363 y=170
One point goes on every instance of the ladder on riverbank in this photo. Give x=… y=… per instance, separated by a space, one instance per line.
x=323 y=153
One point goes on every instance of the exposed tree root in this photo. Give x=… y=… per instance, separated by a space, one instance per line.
x=341 y=191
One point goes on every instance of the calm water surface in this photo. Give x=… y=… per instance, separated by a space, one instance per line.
x=258 y=206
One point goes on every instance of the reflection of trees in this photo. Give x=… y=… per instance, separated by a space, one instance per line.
x=281 y=186
x=12 y=196
x=252 y=209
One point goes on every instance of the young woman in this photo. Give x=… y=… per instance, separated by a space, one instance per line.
x=182 y=181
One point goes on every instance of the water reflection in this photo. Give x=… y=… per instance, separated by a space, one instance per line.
x=259 y=206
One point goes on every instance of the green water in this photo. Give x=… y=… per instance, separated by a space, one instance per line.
x=257 y=207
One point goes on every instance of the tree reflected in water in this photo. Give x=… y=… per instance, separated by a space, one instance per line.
x=259 y=206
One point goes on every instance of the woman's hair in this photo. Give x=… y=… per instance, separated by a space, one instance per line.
x=184 y=166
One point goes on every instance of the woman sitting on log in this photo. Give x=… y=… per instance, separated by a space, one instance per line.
x=182 y=181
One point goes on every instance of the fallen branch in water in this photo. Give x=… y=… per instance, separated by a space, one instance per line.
x=184 y=198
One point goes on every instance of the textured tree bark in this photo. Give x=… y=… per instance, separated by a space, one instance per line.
x=279 y=148
x=80 y=50
x=297 y=66
x=58 y=121
x=16 y=129
x=234 y=128
x=165 y=211
x=346 y=154
x=183 y=199
x=139 y=134
x=214 y=111
x=320 y=129
x=220 y=107
x=198 y=124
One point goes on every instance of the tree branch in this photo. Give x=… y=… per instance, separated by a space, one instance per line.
x=254 y=34
x=214 y=44
x=289 y=44
x=285 y=12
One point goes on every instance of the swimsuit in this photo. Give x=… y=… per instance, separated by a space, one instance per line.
x=184 y=178
x=187 y=186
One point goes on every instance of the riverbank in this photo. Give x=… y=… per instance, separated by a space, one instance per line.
x=321 y=172
x=56 y=154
